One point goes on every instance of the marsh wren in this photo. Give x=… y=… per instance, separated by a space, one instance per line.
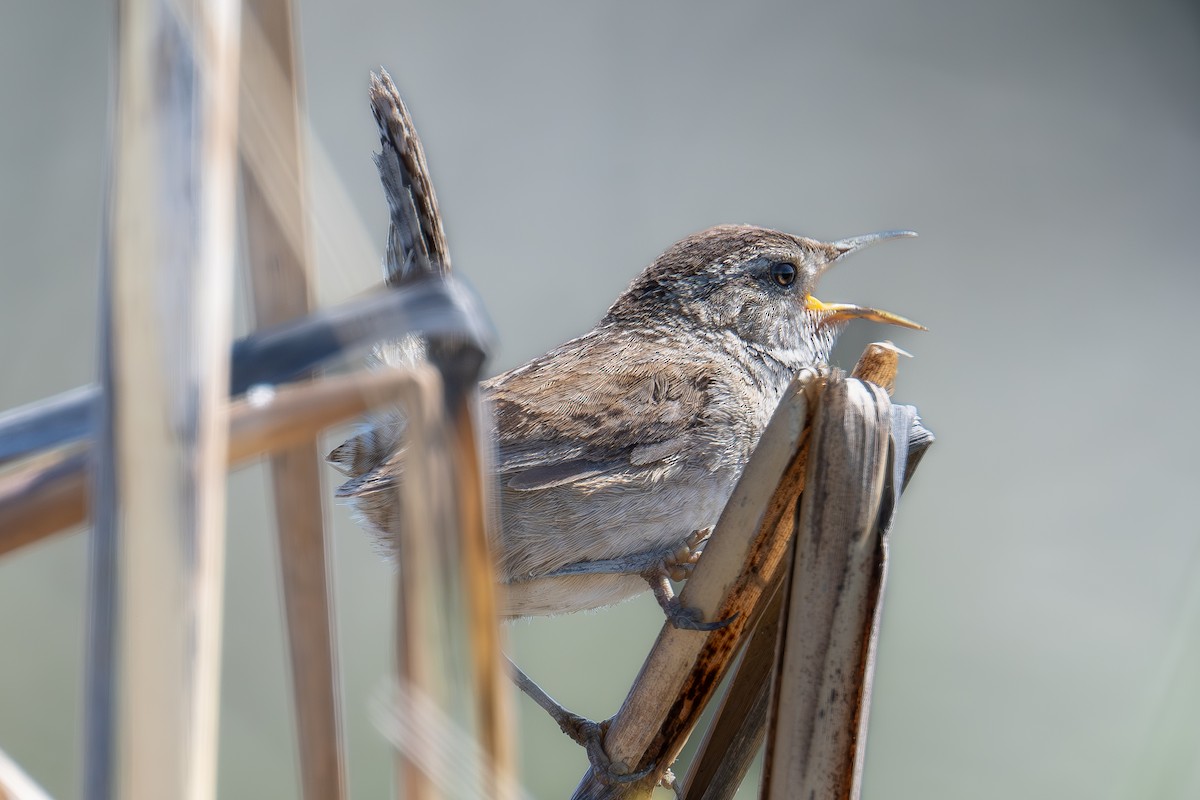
x=615 y=451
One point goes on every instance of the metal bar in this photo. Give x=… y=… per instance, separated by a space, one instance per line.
x=47 y=423
x=441 y=306
x=432 y=307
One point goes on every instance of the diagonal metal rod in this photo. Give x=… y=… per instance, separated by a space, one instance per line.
x=433 y=307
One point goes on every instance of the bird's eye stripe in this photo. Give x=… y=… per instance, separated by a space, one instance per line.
x=783 y=273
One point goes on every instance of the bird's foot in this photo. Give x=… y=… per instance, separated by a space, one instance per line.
x=581 y=730
x=678 y=566
x=591 y=736
x=680 y=616
x=667 y=781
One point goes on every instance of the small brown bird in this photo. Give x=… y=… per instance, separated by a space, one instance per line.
x=617 y=450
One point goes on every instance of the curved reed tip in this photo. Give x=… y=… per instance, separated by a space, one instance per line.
x=878 y=365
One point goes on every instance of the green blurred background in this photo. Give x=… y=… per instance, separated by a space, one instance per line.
x=1042 y=632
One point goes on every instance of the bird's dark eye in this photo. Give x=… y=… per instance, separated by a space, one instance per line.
x=783 y=273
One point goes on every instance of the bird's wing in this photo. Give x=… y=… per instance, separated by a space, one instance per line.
x=591 y=408
x=595 y=407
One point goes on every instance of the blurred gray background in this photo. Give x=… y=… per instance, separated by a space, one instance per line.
x=1042 y=631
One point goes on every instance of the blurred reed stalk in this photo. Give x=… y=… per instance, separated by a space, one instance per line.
x=15 y=784
x=160 y=418
x=275 y=203
x=449 y=657
x=449 y=648
x=157 y=558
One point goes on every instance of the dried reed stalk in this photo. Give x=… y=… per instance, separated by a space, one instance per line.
x=15 y=783
x=741 y=572
x=441 y=655
x=275 y=202
x=44 y=496
x=732 y=580
x=823 y=675
x=448 y=637
x=423 y=670
x=739 y=726
x=158 y=558
x=50 y=494
x=825 y=661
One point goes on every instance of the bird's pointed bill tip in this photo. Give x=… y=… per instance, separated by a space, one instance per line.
x=850 y=245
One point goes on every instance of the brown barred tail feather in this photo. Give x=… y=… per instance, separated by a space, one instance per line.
x=416 y=241
x=416 y=248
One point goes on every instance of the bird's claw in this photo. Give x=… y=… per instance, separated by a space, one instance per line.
x=690 y=619
x=581 y=730
x=667 y=781
x=590 y=735
x=678 y=566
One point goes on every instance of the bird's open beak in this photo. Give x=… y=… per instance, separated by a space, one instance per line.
x=841 y=311
x=832 y=312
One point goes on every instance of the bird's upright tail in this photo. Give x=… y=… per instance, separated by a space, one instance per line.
x=416 y=248
x=417 y=241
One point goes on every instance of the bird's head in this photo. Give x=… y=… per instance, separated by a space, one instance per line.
x=752 y=283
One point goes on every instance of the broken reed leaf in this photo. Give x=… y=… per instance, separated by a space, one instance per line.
x=823 y=680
